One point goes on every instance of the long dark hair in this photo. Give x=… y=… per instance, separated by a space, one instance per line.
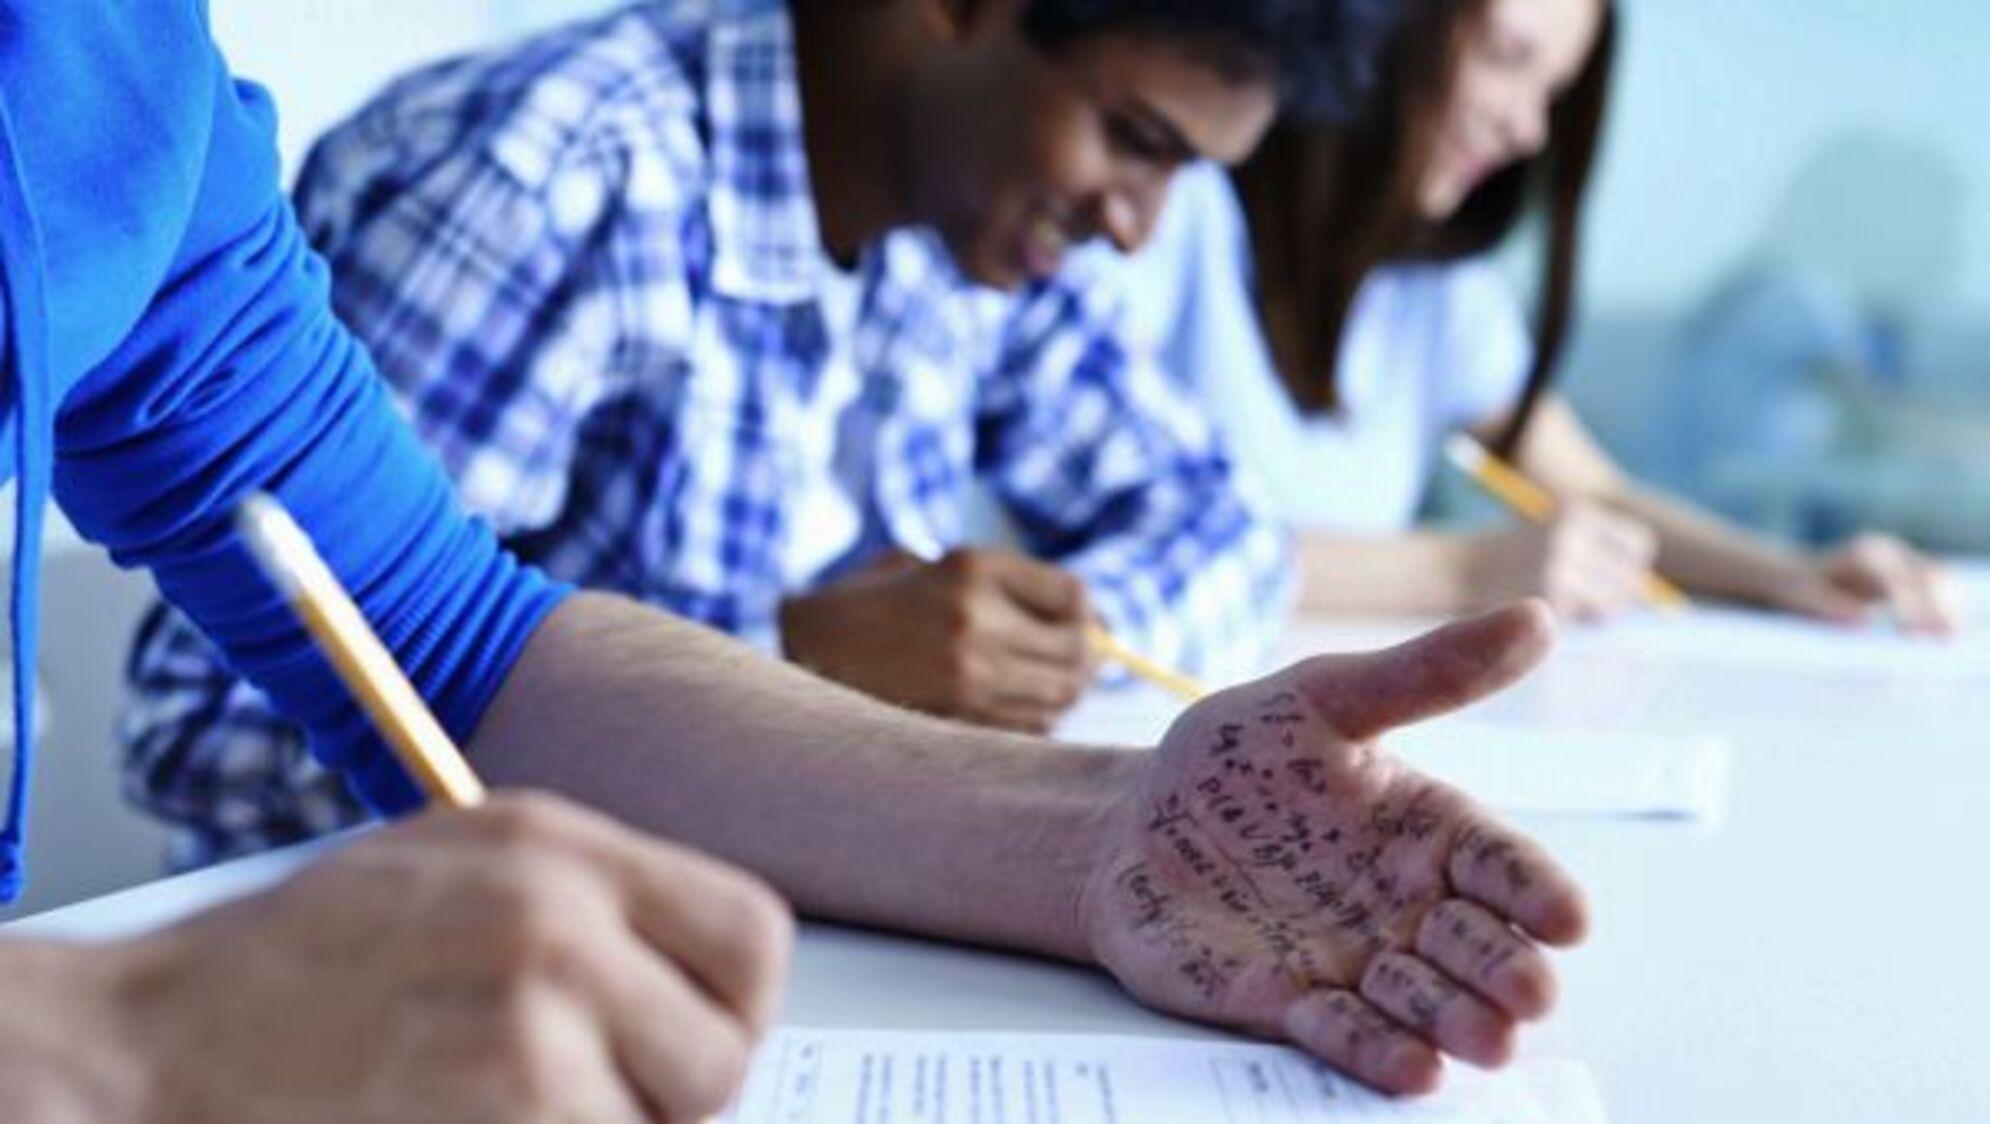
x=1326 y=207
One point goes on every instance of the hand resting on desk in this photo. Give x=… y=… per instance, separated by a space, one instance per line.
x=1277 y=872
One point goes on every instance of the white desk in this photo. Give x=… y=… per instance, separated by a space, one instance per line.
x=1819 y=957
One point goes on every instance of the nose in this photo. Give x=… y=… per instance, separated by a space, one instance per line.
x=1525 y=122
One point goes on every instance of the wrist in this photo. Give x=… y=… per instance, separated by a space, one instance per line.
x=1019 y=856
x=1088 y=829
x=1776 y=572
x=67 y=1046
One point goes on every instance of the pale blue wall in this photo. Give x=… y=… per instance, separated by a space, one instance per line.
x=1845 y=138
x=1722 y=103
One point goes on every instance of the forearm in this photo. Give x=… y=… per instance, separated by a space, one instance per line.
x=1707 y=554
x=63 y=1055
x=858 y=811
x=1418 y=573
x=1695 y=548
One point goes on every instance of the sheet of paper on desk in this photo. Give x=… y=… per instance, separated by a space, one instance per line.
x=1515 y=769
x=1528 y=770
x=809 y=1076
x=1723 y=637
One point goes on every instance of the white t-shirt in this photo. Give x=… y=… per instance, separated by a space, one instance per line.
x=1428 y=349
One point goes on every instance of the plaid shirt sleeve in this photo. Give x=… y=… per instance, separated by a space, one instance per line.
x=510 y=313
x=1107 y=467
x=205 y=753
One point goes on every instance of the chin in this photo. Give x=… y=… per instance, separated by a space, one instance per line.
x=979 y=263
x=992 y=270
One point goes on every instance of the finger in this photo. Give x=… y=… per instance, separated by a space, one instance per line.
x=722 y=926
x=1888 y=570
x=578 y=1071
x=1923 y=602
x=1438 y=1008
x=1047 y=591
x=1021 y=633
x=1582 y=591
x=1626 y=541
x=1610 y=588
x=1944 y=600
x=1037 y=686
x=1518 y=881
x=1485 y=954
x=683 y=1055
x=1343 y=1030
x=1862 y=567
x=1361 y=696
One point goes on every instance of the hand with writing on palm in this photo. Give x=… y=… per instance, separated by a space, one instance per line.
x=1280 y=873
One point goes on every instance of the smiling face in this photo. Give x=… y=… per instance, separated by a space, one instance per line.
x=1512 y=63
x=1017 y=153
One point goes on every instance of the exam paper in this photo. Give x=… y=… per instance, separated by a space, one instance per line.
x=1715 y=636
x=1530 y=770
x=1718 y=636
x=810 y=1076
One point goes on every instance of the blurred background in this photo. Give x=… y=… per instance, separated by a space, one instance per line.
x=1787 y=272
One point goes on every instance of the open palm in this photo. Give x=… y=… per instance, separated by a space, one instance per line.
x=1279 y=873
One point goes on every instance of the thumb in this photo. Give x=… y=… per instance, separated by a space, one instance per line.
x=1363 y=695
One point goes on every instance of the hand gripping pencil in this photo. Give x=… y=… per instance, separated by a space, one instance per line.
x=1506 y=484
x=287 y=555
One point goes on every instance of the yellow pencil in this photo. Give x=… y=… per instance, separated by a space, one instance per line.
x=1108 y=647
x=1506 y=484
x=288 y=557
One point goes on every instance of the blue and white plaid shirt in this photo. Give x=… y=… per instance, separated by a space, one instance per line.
x=591 y=266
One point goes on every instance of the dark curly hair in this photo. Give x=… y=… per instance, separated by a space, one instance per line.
x=1324 y=54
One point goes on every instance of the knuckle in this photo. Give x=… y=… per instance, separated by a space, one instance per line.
x=974 y=616
x=969 y=566
x=524 y=1051
x=531 y=935
x=522 y=819
x=966 y=669
x=957 y=623
x=1070 y=590
x=761 y=927
x=716 y=1073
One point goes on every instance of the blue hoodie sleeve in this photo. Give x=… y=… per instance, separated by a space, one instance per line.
x=237 y=377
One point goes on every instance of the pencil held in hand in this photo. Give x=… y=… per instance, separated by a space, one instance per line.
x=1166 y=678
x=363 y=663
x=1532 y=502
